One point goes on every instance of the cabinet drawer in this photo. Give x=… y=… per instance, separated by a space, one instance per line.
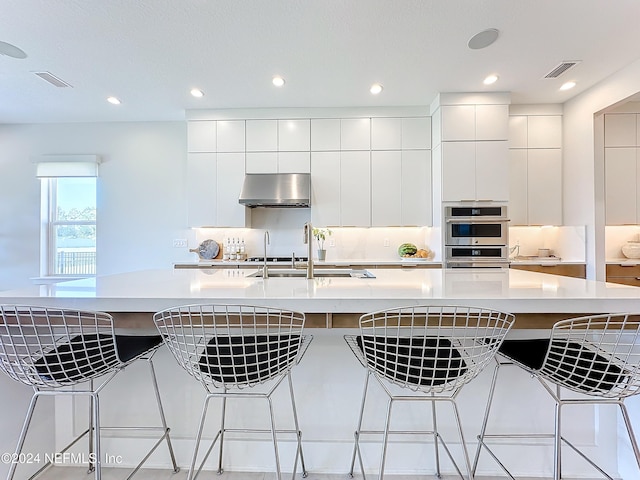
x=578 y=271
x=617 y=270
x=633 y=281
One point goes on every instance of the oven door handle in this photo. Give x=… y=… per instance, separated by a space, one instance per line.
x=478 y=220
x=478 y=260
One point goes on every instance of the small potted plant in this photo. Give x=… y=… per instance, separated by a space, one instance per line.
x=321 y=235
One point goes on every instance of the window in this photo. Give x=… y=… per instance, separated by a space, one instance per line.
x=69 y=224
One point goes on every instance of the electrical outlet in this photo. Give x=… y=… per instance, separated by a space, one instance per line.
x=332 y=243
x=386 y=242
x=179 y=243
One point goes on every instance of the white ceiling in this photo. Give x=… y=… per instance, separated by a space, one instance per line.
x=150 y=53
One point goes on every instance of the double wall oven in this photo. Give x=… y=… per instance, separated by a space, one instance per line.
x=476 y=234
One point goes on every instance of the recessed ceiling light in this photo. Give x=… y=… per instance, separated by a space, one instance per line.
x=483 y=39
x=11 y=51
x=490 y=79
x=278 y=81
x=114 y=101
x=376 y=88
x=568 y=85
x=197 y=93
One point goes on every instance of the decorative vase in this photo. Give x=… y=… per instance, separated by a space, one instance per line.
x=322 y=254
x=631 y=250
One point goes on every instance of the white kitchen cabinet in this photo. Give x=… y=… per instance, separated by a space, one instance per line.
x=294 y=162
x=544 y=186
x=201 y=191
x=262 y=135
x=492 y=122
x=230 y=177
x=294 y=135
x=544 y=131
x=415 y=195
x=325 y=134
x=262 y=162
x=201 y=136
x=492 y=171
x=458 y=122
x=458 y=171
x=535 y=182
x=230 y=135
x=355 y=134
x=416 y=133
x=386 y=188
x=355 y=189
x=621 y=185
x=621 y=130
x=325 y=188
x=386 y=133
x=518 y=134
x=518 y=181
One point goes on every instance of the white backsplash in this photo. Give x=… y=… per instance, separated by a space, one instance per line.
x=617 y=236
x=566 y=242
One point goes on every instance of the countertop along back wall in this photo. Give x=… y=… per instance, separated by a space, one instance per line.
x=141 y=200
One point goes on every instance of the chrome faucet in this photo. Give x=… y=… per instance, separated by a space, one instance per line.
x=265 y=269
x=308 y=234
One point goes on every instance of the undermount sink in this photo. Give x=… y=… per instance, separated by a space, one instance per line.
x=318 y=272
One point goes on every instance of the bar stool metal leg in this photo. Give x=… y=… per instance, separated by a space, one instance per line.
x=224 y=411
x=96 y=435
x=299 y=452
x=356 y=446
x=274 y=438
x=23 y=435
x=632 y=437
x=435 y=438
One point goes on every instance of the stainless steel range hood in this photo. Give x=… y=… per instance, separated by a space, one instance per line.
x=276 y=190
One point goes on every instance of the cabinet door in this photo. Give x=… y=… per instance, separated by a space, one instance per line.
x=458 y=122
x=492 y=122
x=230 y=176
x=294 y=135
x=545 y=186
x=386 y=133
x=262 y=162
x=201 y=189
x=325 y=134
x=416 y=133
x=545 y=131
x=294 y=162
x=230 y=135
x=518 y=131
x=262 y=135
x=325 y=188
x=355 y=134
x=355 y=189
x=620 y=130
x=386 y=192
x=201 y=136
x=416 y=188
x=492 y=171
x=620 y=185
x=458 y=171
x=518 y=203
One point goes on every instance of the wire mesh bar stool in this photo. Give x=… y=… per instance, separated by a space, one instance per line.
x=230 y=349
x=66 y=352
x=432 y=351
x=596 y=356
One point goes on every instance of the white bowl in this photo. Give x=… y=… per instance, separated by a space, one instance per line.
x=631 y=250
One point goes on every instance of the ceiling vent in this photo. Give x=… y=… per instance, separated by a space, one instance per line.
x=563 y=67
x=52 y=79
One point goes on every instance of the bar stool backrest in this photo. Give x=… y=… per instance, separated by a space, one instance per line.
x=233 y=346
x=432 y=348
x=596 y=355
x=50 y=347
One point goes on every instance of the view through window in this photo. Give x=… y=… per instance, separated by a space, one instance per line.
x=72 y=226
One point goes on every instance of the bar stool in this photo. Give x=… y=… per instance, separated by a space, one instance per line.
x=596 y=356
x=62 y=352
x=230 y=349
x=432 y=351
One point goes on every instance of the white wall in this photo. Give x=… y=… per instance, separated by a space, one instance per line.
x=141 y=200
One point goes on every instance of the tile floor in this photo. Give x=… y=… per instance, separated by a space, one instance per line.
x=76 y=473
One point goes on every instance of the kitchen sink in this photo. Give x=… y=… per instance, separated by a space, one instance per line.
x=318 y=272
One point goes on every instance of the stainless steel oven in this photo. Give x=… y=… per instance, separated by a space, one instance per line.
x=476 y=234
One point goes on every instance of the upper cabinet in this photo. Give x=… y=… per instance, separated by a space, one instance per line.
x=201 y=136
x=622 y=168
x=535 y=169
x=474 y=122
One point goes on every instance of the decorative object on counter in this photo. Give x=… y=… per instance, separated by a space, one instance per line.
x=412 y=252
x=234 y=250
x=321 y=235
x=631 y=249
x=407 y=250
x=208 y=250
x=544 y=252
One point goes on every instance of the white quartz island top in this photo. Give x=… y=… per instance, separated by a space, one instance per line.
x=510 y=290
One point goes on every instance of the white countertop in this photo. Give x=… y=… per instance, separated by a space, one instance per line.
x=511 y=290
x=336 y=262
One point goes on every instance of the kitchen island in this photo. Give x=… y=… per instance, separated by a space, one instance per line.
x=328 y=381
